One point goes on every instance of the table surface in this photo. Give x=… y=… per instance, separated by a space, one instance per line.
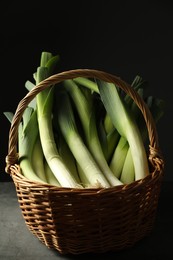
x=17 y=242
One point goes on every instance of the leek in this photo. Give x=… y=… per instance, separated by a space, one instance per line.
x=86 y=113
x=37 y=155
x=65 y=153
x=88 y=83
x=50 y=177
x=156 y=107
x=119 y=163
x=38 y=160
x=119 y=155
x=110 y=130
x=84 y=158
x=112 y=134
x=27 y=135
x=88 y=134
x=44 y=108
x=26 y=140
x=124 y=121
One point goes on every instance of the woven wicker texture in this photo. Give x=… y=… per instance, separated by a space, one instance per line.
x=98 y=220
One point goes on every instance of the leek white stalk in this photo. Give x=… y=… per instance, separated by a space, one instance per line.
x=84 y=180
x=126 y=126
x=28 y=133
x=121 y=150
x=38 y=160
x=112 y=134
x=119 y=156
x=67 y=156
x=128 y=170
x=86 y=113
x=44 y=108
x=156 y=107
x=50 y=177
x=84 y=158
x=27 y=136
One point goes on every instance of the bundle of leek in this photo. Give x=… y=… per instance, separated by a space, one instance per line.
x=83 y=133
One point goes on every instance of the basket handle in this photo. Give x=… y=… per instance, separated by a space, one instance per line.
x=155 y=156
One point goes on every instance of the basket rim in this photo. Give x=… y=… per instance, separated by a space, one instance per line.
x=19 y=178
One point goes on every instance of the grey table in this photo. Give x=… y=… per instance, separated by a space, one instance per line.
x=18 y=243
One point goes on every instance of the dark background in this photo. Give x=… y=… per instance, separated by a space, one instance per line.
x=125 y=38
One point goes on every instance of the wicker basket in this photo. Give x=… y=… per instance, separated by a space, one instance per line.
x=76 y=221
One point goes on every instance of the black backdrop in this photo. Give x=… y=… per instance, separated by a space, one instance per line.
x=125 y=38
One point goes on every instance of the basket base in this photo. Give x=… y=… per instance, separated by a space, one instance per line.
x=95 y=249
x=90 y=221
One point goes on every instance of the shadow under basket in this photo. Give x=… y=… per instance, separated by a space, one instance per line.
x=97 y=220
